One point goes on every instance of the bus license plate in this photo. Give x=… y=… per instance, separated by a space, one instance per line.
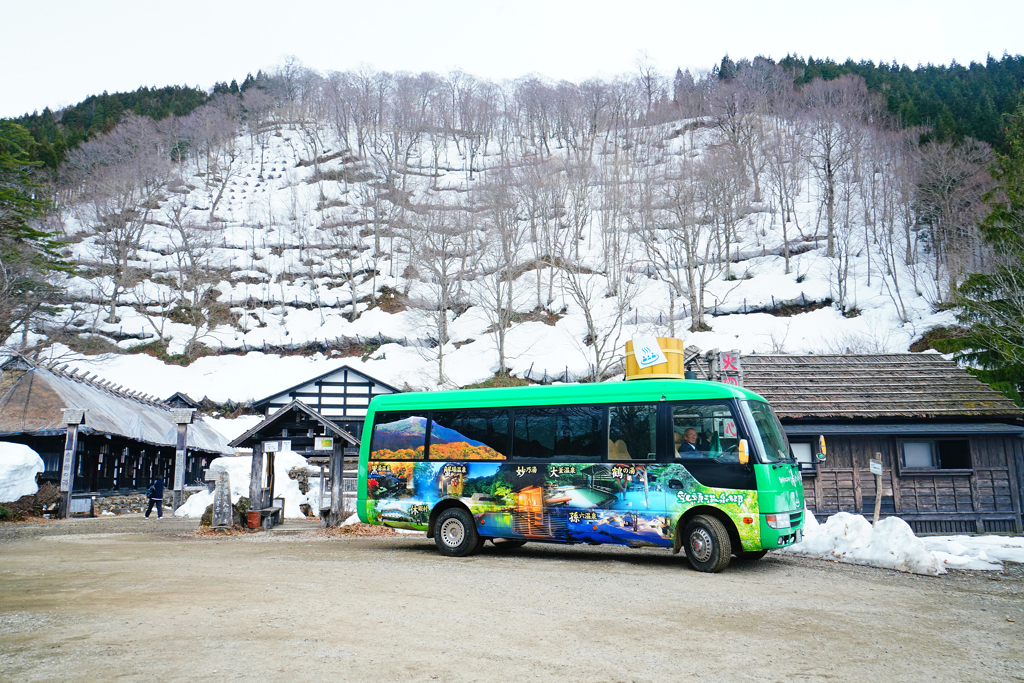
x=799 y=535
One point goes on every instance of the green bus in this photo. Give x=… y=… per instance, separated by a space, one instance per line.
x=679 y=464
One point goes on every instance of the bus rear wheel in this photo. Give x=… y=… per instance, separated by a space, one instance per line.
x=707 y=544
x=455 y=533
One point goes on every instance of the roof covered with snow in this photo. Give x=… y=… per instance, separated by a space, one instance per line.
x=895 y=385
x=34 y=404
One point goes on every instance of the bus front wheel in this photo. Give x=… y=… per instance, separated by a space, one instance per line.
x=707 y=544
x=455 y=533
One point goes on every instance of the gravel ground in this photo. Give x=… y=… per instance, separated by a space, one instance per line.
x=137 y=599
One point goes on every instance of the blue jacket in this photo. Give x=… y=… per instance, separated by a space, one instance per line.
x=156 y=489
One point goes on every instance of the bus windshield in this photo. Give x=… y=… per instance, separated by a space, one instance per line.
x=769 y=435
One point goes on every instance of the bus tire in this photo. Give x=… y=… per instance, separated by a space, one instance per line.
x=455 y=533
x=751 y=555
x=707 y=544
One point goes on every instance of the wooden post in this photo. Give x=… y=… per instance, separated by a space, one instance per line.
x=270 y=479
x=876 y=469
x=183 y=418
x=72 y=419
x=858 y=495
x=337 y=482
x=256 y=478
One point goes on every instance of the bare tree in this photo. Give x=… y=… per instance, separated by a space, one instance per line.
x=783 y=151
x=120 y=177
x=501 y=261
x=258 y=108
x=444 y=244
x=951 y=182
x=835 y=113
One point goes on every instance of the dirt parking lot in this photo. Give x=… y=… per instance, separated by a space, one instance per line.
x=131 y=599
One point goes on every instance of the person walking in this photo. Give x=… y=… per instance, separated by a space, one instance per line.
x=156 y=497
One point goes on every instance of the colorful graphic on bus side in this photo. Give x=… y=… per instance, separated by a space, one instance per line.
x=635 y=504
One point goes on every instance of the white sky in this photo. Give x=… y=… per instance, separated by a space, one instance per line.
x=61 y=51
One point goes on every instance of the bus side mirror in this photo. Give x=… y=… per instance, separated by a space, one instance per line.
x=744 y=454
x=820 y=455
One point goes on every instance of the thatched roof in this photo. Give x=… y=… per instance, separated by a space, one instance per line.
x=897 y=385
x=33 y=404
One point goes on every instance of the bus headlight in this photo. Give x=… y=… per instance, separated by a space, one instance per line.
x=779 y=520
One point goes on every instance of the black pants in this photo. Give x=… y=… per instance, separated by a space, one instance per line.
x=159 y=507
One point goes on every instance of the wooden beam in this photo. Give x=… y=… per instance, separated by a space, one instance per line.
x=256 y=478
x=179 y=466
x=337 y=469
x=67 y=475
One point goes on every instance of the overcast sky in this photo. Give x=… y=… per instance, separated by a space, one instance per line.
x=59 y=52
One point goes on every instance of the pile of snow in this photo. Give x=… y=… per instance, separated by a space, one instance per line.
x=892 y=545
x=196 y=505
x=19 y=466
x=239 y=469
x=851 y=538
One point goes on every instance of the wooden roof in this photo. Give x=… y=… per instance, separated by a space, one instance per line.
x=258 y=433
x=897 y=385
x=33 y=403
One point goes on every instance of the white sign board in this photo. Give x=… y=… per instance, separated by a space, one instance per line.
x=647 y=351
x=323 y=443
x=876 y=467
x=277 y=446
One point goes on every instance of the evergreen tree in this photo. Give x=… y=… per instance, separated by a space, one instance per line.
x=28 y=253
x=992 y=303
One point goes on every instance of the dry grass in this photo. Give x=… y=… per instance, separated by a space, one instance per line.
x=356 y=530
x=210 y=532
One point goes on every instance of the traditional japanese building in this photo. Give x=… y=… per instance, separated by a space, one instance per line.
x=127 y=438
x=341 y=396
x=952 y=448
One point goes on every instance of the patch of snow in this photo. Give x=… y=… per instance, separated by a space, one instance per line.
x=19 y=466
x=893 y=545
x=845 y=537
x=976 y=552
x=234 y=427
x=239 y=469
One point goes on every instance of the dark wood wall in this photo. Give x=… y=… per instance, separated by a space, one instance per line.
x=107 y=465
x=983 y=499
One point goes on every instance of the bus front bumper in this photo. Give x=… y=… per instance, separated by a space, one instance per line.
x=775 y=536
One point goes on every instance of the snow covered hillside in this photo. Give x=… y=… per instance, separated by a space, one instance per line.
x=269 y=238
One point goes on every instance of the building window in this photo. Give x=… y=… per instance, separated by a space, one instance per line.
x=938 y=454
x=804 y=453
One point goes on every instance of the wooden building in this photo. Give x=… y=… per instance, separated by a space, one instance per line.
x=298 y=428
x=342 y=396
x=127 y=438
x=952 y=448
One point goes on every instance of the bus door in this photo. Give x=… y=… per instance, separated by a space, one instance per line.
x=638 y=511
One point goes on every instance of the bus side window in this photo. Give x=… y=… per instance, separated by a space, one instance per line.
x=471 y=434
x=535 y=430
x=580 y=432
x=398 y=436
x=631 y=432
x=705 y=430
x=565 y=431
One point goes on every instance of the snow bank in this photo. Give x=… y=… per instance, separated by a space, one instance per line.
x=240 y=467
x=893 y=545
x=976 y=552
x=196 y=505
x=851 y=538
x=19 y=466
